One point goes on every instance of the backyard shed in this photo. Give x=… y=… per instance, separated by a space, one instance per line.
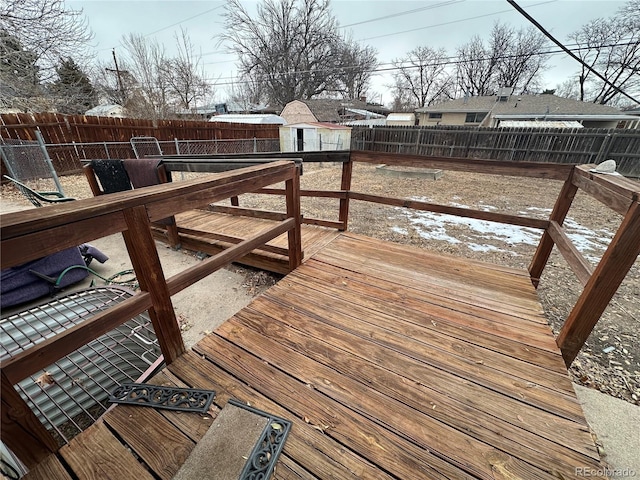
x=314 y=136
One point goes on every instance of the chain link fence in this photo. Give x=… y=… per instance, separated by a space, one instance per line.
x=67 y=158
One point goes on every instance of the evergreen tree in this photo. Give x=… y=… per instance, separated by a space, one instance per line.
x=72 y=90
x=19 y=74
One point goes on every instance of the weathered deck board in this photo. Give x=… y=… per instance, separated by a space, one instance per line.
x=201 y=230
x=391 y=363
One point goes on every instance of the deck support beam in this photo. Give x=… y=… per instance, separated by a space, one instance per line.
x=345 y=186
x=146 y=263
x=292 y=187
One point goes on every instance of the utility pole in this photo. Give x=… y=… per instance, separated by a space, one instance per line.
x=117 y=70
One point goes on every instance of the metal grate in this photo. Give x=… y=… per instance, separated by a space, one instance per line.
x=71 y=394
x=168 y=398
x=263 y=458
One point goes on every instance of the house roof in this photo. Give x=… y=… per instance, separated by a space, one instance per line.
x=522 y=105
x=266 y=118
x=327 y=109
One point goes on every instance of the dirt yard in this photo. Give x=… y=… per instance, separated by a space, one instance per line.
x=609 y=362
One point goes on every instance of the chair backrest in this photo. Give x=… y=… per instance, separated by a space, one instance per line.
x=111 y=175
x=121 y=175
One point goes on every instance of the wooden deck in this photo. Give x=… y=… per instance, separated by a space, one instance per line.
x=391 y=362
x=209 y=232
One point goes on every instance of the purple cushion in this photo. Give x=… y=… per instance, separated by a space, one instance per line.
x=19 y=284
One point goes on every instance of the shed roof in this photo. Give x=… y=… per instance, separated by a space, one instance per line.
x=327 y=125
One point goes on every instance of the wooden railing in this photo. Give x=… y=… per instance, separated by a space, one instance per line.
x=34 y=233
x=217 y=163
x=600 y=282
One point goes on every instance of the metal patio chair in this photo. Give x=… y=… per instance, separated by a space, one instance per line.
x=38 y=199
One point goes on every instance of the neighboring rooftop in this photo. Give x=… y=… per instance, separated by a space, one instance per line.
x=522 y=104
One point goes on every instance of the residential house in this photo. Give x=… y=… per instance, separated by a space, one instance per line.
x=522 y=111
x=331 y=111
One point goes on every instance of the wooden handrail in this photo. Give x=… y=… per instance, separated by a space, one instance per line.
x=32 y=234
x=449 y=210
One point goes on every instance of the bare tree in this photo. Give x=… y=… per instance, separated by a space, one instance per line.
x=147 y=63
x=247 y=93
x=422 y=77
x=476 y=68
x=357 y=64
x=291 y=47
x=513 y=58
x=48 y=29
x=610 y=46
x=184 y=74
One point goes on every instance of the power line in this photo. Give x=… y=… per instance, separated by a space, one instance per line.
x=569 y=52
x=406 y=12
x=451 y=60
x=449 y=23
x=182 y=21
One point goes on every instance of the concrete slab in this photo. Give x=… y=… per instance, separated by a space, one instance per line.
x=223 y=451
x=617 y=426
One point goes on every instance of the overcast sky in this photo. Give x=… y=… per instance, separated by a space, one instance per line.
x=406 y=25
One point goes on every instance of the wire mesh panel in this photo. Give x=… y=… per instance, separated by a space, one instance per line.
x=71 y=394
x=27 y=162
x=146 y=147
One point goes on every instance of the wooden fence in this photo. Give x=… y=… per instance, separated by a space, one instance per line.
x=58 y=128
x=574 y=146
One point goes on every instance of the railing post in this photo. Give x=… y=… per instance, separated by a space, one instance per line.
x=603 y=284
x=560 y=210
x=22 y=432
x=345 y=185
x=146 y=263
x=292 y=187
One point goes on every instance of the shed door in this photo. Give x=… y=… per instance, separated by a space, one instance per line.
x=306 y=140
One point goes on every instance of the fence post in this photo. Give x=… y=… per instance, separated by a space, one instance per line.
x=345 y=185
x=255 y=145
x=175 y=140
x=47 y=159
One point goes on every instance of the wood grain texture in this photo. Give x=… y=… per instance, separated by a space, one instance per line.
x=49 y=469
x=96 y=454
x=580 y=265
